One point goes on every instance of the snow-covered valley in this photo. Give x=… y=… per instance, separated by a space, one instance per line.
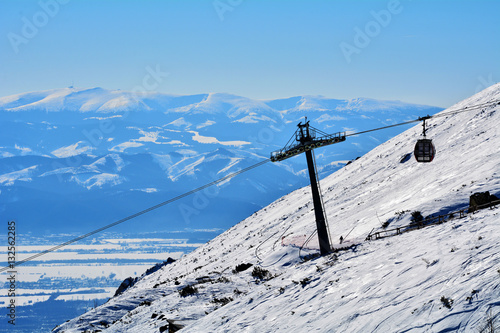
x=440 y=278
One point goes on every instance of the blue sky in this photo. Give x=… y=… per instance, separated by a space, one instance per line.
x=429 y=52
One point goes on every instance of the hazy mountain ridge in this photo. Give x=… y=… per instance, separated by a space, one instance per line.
x=103 y=101
x=437 y=279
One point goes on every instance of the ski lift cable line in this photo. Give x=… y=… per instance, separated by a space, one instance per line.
x=130 y=217
x=381 y=128
x=467 y=108
x=445 y=114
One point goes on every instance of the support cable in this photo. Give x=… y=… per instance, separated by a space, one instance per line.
x=445 y=114
x=258 y=247
x=385 y=127
x=467 y=108
x=307 y=241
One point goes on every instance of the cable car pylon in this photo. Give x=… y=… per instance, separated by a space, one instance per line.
x=305 y=141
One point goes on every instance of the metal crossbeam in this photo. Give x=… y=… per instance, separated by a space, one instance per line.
x=300 y=145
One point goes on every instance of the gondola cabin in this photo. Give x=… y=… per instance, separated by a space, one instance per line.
x=424 y=150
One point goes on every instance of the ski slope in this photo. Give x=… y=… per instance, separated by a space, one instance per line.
x=440 y=278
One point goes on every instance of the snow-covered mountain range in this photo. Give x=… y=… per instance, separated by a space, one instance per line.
x=85 y=157
x=439 y=278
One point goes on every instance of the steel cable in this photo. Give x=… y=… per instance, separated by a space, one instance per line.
x=142 y=212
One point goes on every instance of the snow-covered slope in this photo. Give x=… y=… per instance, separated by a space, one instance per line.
x=440 y=278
